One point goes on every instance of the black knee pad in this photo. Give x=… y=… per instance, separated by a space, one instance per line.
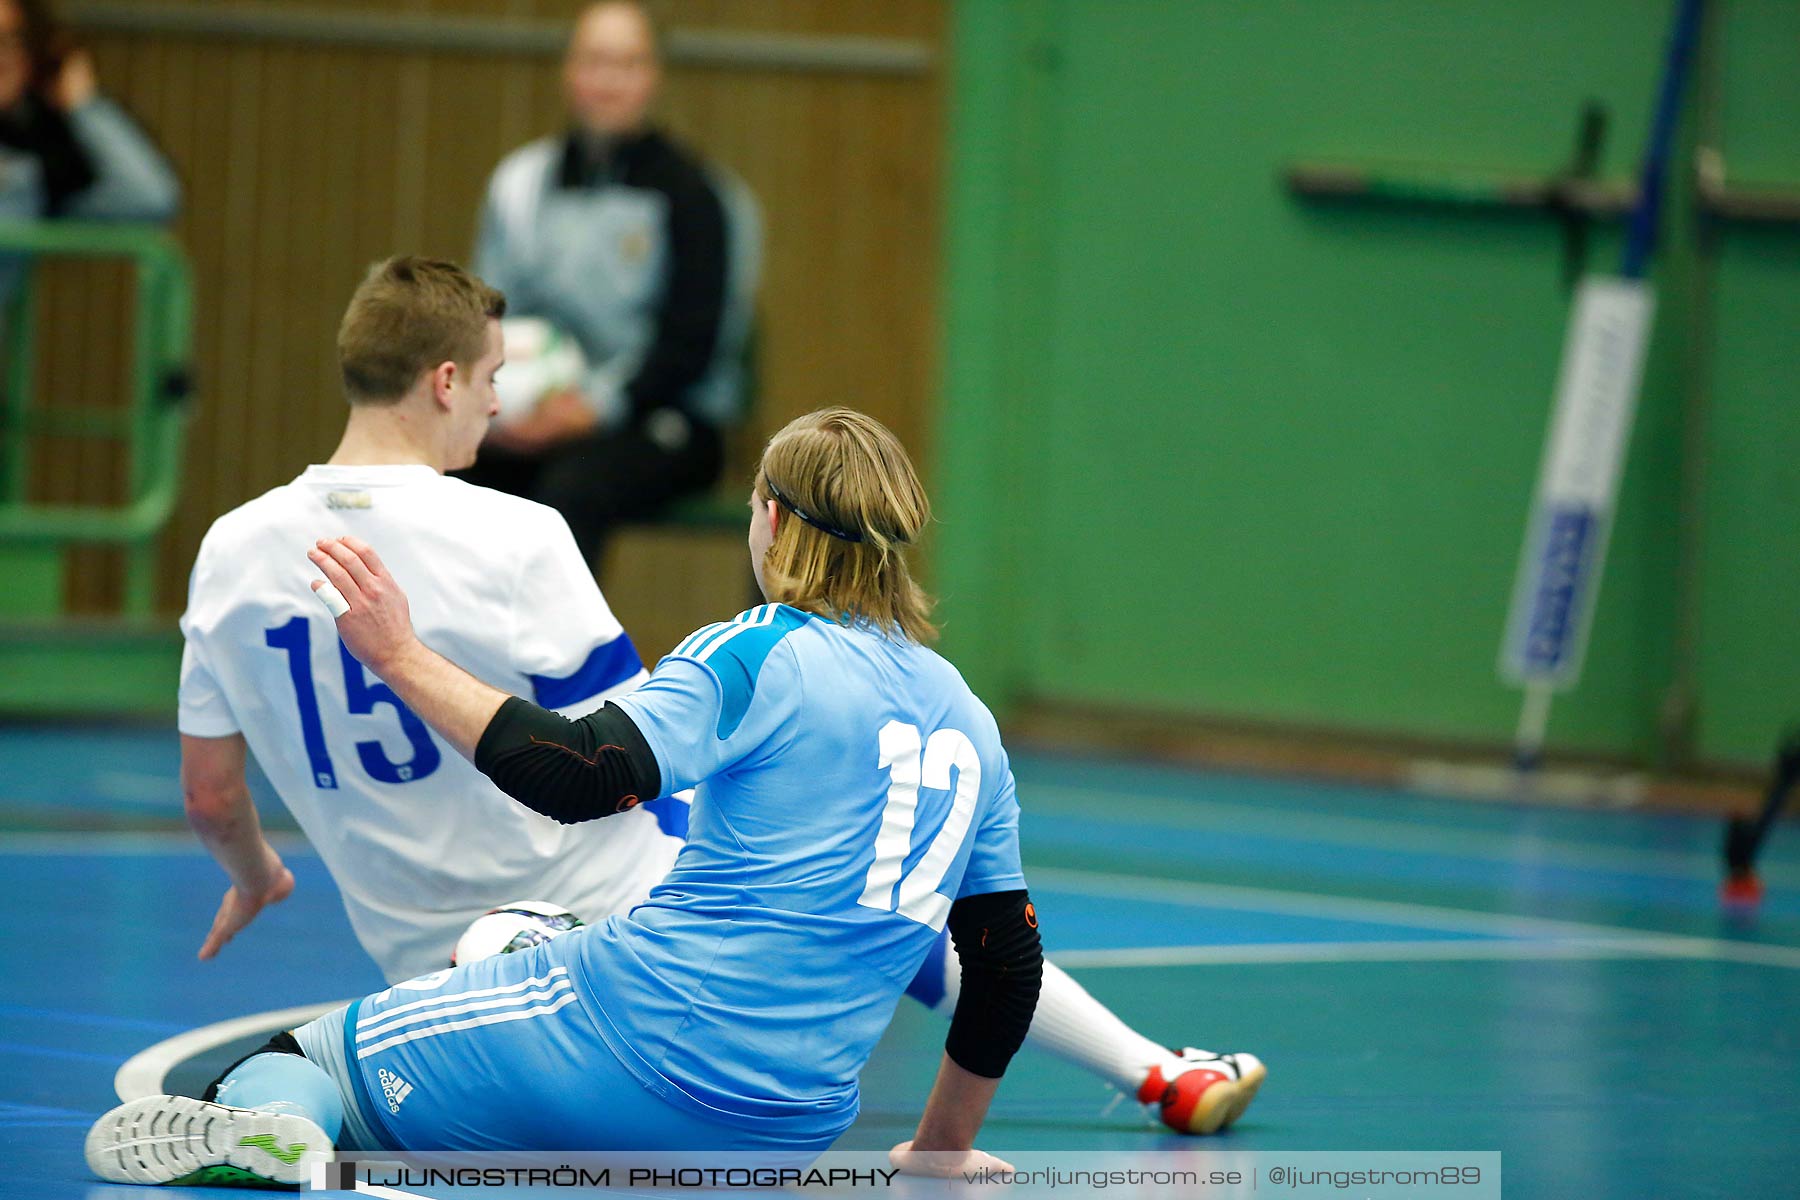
x=281 y=1043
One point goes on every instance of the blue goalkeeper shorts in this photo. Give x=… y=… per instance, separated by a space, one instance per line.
x=501 y=1054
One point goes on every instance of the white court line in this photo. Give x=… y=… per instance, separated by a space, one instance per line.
x=1406 y=915
x=1377 y=834
x=1458 y=950
x=144 y=1073
x=1319 y=904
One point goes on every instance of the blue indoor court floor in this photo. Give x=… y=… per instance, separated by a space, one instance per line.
x=1419 y=973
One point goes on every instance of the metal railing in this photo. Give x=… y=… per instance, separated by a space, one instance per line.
x=151 y=423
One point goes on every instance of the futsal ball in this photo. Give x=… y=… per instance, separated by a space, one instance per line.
x=519 y=925
x=540 y=358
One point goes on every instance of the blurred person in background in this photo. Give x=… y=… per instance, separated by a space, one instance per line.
x=631 y=252
x=66 y=150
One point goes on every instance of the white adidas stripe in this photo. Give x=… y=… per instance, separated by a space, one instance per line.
x=762 y=614
x=723 y=630
x=695 y=639
x=697 y=636
x=527 y=985
x=380 y=1028
x=381 y=1024
x=511 y=1014
x=749 y=616
x=707 y=652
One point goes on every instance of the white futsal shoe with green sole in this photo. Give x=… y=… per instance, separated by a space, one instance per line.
x=183 y=1141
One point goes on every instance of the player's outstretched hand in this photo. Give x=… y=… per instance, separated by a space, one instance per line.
x=241 y=904
x=377 y=624
x=943 y=1164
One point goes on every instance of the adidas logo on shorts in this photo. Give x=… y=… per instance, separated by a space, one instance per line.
x=394 y=1088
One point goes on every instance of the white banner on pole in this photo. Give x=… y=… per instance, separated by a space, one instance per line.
x=1584 y=454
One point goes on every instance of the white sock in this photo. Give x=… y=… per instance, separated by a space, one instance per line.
x=1072 y=1025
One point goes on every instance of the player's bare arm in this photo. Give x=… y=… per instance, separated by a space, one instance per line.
x=220 y=811
x=944 y=1144
x=1002 y=957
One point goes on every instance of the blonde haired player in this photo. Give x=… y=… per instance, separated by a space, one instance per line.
x=419 y=841
x=1195 y=1091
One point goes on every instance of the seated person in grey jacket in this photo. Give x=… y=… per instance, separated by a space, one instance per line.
x=642 y=254
x=65 y=150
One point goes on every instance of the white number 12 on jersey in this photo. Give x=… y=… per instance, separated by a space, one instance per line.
x=908 y=770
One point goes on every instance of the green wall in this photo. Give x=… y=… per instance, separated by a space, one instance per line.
x=1210 y=449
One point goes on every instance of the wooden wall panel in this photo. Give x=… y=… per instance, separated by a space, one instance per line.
x=303 y=163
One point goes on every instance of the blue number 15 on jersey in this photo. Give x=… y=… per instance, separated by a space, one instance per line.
x=295 y=638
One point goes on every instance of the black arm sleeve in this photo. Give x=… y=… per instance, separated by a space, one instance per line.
x=570 y=771
x=996 y=938
x=693 y=302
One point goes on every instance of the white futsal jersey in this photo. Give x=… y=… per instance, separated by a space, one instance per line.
x=419 y=841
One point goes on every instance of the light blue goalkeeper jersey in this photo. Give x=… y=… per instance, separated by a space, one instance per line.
x=850 y=788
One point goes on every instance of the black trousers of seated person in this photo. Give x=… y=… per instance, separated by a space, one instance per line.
x=607 y=479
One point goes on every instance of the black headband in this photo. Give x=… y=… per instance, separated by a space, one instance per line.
x=821 y=526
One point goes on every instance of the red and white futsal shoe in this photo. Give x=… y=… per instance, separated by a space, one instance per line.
x=1203 y=1092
